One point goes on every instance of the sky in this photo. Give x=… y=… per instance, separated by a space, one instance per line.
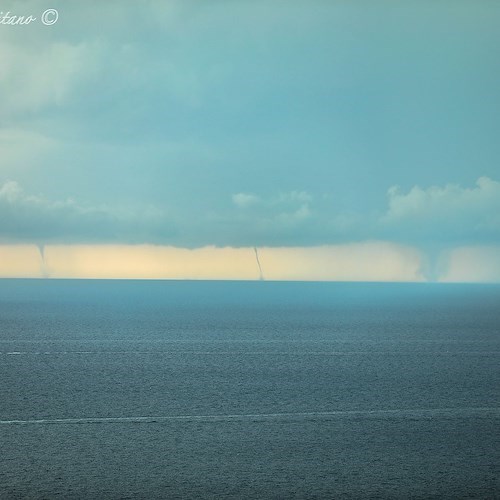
x=166 y=139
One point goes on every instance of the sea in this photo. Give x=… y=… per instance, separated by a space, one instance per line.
x=230 y=389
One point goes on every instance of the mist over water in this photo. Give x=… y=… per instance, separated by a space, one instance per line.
x=151 y=389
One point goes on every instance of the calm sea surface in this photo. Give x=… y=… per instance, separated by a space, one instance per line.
x=154 y=389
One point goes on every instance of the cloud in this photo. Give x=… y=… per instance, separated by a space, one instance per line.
x=41 y=77
x=433 y=218
x=293 y=203
x=449 y=200
x=445 y=214
x=268 y=220
x=196 y=123
x=34 y=218
x=256 y=220
x=10 y=192
x=90 y=75
x=285 y=218
x=244 y=200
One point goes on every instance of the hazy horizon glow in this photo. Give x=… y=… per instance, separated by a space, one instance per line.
x=369 y=261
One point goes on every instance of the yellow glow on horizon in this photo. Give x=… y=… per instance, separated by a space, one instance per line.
x=369 y=261
x=20 y=261
x=149 y=262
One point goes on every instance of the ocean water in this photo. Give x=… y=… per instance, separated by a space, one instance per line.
x=171 y=389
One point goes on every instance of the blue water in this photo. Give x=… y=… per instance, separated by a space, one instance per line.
x=154 y=389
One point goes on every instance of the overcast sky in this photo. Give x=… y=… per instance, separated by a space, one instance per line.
x=251 y=123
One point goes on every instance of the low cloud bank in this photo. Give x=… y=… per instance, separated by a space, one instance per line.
x=444 y=217
x=447 y=214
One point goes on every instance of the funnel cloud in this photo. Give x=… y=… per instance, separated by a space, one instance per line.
x=261 y=274
x=43 y=265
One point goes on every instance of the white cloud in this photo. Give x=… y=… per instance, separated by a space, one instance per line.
x=284 y=207
x=446 y=212
x=12 y=193
x=35 y=77
x=34 y=218
x=448 y=201
x=294 y=196
x=244 y=200
x=267 y=219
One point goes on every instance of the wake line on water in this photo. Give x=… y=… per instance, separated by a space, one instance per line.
x=418 y=413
